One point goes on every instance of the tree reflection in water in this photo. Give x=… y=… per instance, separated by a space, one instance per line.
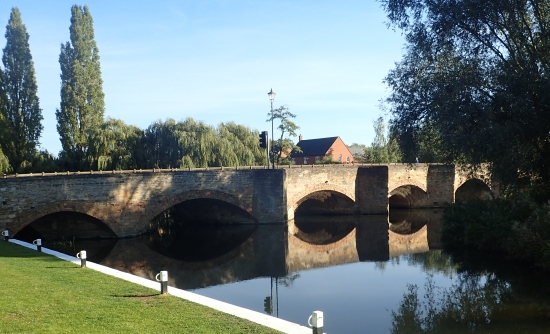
x=475 y=303
x=435 y=261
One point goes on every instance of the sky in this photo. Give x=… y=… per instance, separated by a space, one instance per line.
x=215 y=61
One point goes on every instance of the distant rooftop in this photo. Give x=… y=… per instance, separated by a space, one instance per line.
x=310 y=147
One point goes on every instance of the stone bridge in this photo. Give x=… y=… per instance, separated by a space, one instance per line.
x=126 y=201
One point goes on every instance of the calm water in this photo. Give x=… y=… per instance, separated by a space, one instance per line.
x=364 y=276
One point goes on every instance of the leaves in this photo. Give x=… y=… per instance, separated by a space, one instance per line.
x=20 y=113
x=473 y=85
x=82 y=99
x=190 y=144
x=283 y=146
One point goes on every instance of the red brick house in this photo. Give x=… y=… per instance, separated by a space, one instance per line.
x=315 y=150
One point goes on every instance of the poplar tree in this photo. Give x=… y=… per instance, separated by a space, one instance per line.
x=82 y=99
x=20 y=113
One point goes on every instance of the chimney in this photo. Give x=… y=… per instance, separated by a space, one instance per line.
x=300 y=138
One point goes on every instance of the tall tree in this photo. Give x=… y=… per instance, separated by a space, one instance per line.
x=283 y=145
x=476 y=80
x=82 y=99
x=20 y=113
x=384 y=148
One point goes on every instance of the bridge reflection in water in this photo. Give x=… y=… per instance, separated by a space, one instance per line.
x=303 y=264
x=198 y=255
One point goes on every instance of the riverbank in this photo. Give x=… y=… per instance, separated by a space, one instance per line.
x=517 y=228
x=44 y=294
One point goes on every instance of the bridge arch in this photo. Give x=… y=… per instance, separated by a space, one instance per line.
x=317 y=193
x=161 y=206
x=89 y=209
x=345 y=240
x=406 y=197
x=473 y=189
x=416 y=242
x=403 y=176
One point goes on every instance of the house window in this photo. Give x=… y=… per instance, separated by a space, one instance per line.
x=317 y=159
x=305 y=160
x=293 y=161
x=347 y=159
x=340 y=158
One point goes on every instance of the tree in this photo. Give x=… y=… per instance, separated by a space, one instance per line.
x=382 y=150
x=358 y=151
x=20 y=113
x=116 y=146
x=82 y=99
x=475 y=80
x=4 y=163
x=245 y=143
x=284 y=145
x=191 y=144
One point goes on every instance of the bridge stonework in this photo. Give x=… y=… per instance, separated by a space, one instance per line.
x=127 y=201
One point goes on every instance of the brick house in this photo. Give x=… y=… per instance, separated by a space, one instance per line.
x=315 y=150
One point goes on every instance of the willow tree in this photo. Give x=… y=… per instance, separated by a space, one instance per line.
x=82 y=99
x=116 y=145
x=162 y=144
x=20 y=113
x=199 y=143
x=190 y=144
x=244 y=144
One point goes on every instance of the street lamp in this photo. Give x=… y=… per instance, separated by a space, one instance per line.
x=271 y=95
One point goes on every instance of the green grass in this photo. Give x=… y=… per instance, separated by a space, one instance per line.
x=43 y=294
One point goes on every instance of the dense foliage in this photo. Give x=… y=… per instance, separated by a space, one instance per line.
x=82 y=99
x=195 y=144
x=115 y=145
x=384 y=148
x=4 y=164
x=20 y=113
x=517 y=228
x=474 y=85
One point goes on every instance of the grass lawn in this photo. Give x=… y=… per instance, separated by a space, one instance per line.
x=43 y=294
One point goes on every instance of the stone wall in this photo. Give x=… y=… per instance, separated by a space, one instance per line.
x=126 y=202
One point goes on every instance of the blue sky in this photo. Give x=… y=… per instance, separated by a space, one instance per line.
x=215 y=61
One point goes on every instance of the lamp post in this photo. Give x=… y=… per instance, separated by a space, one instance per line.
x=271 y=95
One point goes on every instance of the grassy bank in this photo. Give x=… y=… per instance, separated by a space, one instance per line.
x=43 y=294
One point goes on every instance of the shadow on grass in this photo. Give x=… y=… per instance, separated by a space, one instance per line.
x=136 y=296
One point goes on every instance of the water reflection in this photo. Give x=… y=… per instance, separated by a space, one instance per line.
x=323 y=230
x=367 y=273
x=473 y=304
x=199 y=255
x=193 y=243
x=202 y=255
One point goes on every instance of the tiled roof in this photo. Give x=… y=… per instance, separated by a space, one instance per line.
x=310 y=147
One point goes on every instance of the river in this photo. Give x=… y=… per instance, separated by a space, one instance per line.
x=368 y=274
